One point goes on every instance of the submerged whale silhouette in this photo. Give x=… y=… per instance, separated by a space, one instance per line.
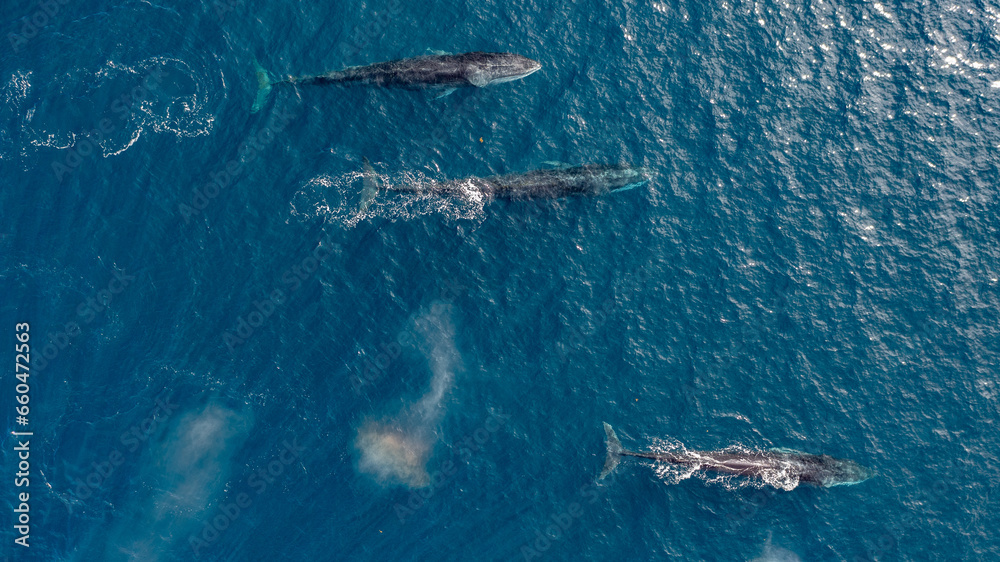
x=820 y=470
x=442 y=72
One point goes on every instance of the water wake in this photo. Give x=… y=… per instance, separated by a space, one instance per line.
x=395 y=450
x=782 y=477
x=338 y=199
x=12 y=95
x=157 y=95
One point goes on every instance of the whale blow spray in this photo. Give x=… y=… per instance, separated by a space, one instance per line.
x=395 y=450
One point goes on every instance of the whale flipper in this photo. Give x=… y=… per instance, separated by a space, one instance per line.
x=478 y=78
x=787 y=451
x=614 y=452
x=263 y=87
x=444 y=92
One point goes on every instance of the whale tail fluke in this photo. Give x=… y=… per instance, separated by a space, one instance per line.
x=614 y=452
x=372 y=186
x=263 y=87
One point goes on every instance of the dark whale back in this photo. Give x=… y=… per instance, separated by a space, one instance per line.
x=432 y=71
x=449 y=71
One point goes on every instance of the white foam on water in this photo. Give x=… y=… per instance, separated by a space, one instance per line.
x=338 y=199
x=782 y=477
x=170 y=98
x=13 y=93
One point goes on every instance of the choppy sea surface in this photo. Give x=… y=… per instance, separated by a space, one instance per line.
x=230 y=363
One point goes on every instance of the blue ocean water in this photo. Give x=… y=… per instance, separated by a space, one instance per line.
x=231 y=364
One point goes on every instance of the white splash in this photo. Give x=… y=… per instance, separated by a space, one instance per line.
x=337 y=198
x=157 y=95
x=785 y=476
x=13 y=92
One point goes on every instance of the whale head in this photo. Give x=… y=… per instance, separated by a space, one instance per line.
x=624 y=178
x=839 y=472
x=496 y=68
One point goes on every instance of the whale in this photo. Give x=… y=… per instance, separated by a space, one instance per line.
x=443 y=73
x=818 y=470
x=587 y=180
